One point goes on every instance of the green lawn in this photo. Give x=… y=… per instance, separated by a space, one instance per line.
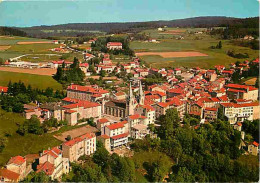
x=200 y=43
x=36 y=81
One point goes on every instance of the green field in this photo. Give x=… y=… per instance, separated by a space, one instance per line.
x=7 y=40
x=191 y=42
x=36 y=81
x=40 y=57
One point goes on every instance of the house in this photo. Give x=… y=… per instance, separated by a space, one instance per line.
x=238 y=112
x=52 y=163
x=118 y=134
x=88 y=56
x=106 y=61
x=139 y=131
x=85 y=92
x=177 y=71
x=237 y=91
x=114 y=45
x=79 y=146
x=238 y=126
x=17 y=164
x=105 y=139
x=3 y=89
x=146 y=110
x=8 y=176
x=56 y=64
x=210 y=113
x=101 y=123
x=253 y=148
x=84 y=67
x=81 y=109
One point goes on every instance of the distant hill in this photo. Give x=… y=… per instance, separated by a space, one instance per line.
x=12 y=31
x=88 y=28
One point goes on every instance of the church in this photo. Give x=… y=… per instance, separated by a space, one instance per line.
x=126 y=107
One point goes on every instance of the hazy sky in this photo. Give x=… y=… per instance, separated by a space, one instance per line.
x=50 y=12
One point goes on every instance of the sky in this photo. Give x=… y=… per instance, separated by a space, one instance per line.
x=21 y=13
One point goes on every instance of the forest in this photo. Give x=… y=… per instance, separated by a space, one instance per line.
x=130 y=27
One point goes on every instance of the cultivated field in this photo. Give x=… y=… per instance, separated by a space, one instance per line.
x=4 y=47
x=173 y=54
x=191 y=43
x=38 y=71
x=34 y=42
x=36 y=81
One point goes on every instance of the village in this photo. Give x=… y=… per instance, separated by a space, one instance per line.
x=130 y=112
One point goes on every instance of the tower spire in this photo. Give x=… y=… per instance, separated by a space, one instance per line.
x=141 y=94
x=130 y=91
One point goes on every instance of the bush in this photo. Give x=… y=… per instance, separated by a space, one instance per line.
x=237 y=55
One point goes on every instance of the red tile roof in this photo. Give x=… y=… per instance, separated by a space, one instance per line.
x=163 y=104
x=114 y=44
x=136 y=116
x=105 y=136
x=147 y=107
x=175 y=90
x=79 y=139
x=115 y=126
x=103 y=120
x=46 y=167
x=211 y=109
x=88 y=89
x=8 y=174
x=54 y=152
x=239 y=124
x=237 y=86
x=3 y=89
x=18 y=160
x=120 y=136
x=255 y=144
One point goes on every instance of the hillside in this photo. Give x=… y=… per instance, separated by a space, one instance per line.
x=75 y=29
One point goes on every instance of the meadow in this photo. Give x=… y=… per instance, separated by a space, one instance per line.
x=36 y=81
x=191 y=42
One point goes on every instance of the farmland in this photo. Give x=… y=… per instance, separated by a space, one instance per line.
x=191 y=42
x=38 y=49
x=36 y=81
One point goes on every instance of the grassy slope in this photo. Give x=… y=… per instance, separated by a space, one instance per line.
x=28 y=144
x=36 y=81
x=216 y=56
x=21 y=145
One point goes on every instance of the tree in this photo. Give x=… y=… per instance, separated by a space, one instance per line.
x=103 y=73
x=169 y=123
x=219 y=46
x=101 y=156
x=1 y=61
x=221 y=114
x=31 y=125
x=3 y=142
